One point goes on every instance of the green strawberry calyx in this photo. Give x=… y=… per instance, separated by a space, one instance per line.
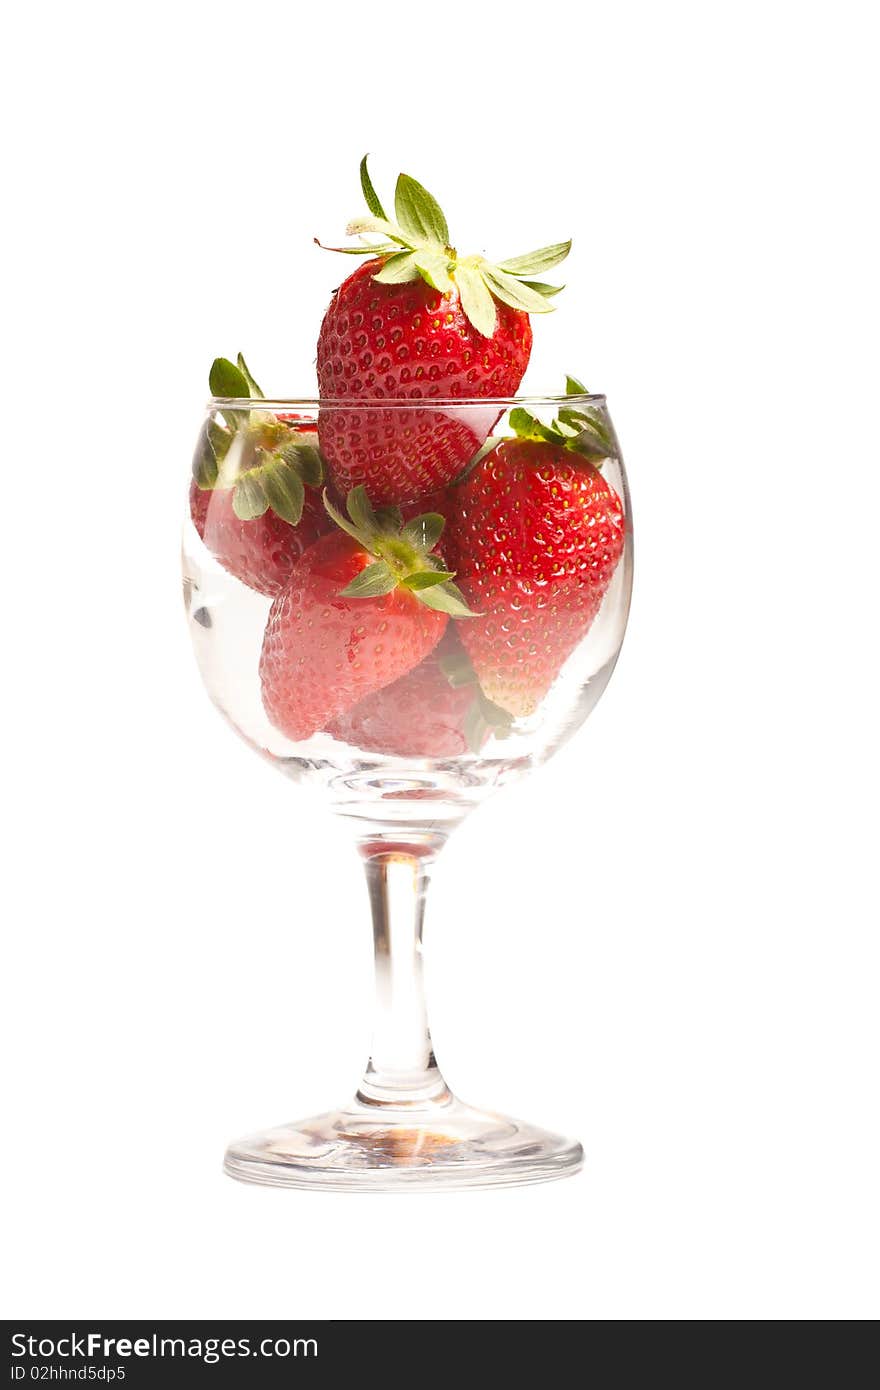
x=582 y=429
x=267 y=463
x=484 y=717
x=416 y=246
x=403 y=554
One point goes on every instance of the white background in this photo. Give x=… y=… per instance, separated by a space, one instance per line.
x=665 y=942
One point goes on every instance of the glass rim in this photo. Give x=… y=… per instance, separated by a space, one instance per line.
x=280 y=403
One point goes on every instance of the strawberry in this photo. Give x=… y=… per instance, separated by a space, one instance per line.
x=436 y=711
x=365 y=605
x=262 y=552
x=253 y=499
x=534 y=537
x=419 y=321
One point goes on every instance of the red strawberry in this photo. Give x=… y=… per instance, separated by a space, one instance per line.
x=437 y=711
x=534 y=538
x=262 y=552
x=417 y=322
x=364 y=606
x=415 y=335
x=252 y=499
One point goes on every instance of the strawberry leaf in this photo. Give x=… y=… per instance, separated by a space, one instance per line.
x=433 y=266
x=515 y=292
x=227 y=380
x=498 y=719
x=307 y=461
x=457 y=669
x=284 y=488
x=591 y=444
x=249 y=499
x=253 y=389
x=425 y=579
x=361 y=225
x=582 y=431
x=372 y=582
x=424 y=531
x=212 y=448
x=446 y=598
x=343 y=524
x=574 y=419
x=528 y=426
x=588 y=432
x=485 y=719
x=565 y=428
x=476 y=301
x=476 y=730
x=389 y=519
x=604 y=432
x=536 y=262
x=360 y=509
x=371 y=198
x=547 y=291
x=368 y=249
x=578 y=419
x=219 y=439
x=398 y=269
x=418 y=213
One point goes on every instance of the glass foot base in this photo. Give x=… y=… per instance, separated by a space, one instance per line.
x=369 y=1148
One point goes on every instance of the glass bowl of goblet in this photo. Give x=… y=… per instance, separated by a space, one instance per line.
x=404 y=605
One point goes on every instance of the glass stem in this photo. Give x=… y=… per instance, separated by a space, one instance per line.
x=401 y=1070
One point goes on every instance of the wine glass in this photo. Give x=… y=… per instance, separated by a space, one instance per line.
x=403 y=709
